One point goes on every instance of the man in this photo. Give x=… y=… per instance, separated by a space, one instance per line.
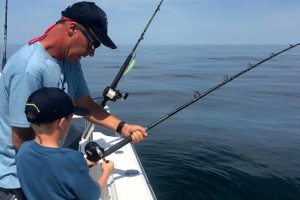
x=52 y=60
x=45 y=170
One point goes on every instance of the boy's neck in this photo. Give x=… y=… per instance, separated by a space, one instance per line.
x=47 y=140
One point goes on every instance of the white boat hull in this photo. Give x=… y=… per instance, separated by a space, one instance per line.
x=128 y=181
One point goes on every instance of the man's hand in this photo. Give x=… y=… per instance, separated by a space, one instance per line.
x=136 y=132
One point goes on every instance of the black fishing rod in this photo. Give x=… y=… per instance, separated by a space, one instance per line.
x=111 y=93
x=197 y=96
x=5 y=38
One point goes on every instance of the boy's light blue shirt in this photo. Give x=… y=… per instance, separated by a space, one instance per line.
x=27 y=70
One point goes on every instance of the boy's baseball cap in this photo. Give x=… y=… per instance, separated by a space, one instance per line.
x=90 y=15
x=49 y=104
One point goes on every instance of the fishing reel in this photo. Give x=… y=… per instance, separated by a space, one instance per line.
x=113 y=94
x=94 y=152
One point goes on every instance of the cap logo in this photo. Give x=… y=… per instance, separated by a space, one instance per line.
x=33 y=105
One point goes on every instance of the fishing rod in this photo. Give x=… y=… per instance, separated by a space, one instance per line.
x=111 y=93
x=5 y=37
x=197 y=96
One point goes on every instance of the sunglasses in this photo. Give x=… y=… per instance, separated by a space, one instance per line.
x=90 y=36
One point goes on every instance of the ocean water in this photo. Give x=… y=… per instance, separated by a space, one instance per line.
x=240 y=142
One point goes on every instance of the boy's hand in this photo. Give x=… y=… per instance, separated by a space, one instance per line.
x=107 y=167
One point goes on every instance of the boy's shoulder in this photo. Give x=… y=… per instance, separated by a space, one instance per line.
x=60 y=156
x=26 y=146
x=75 y=158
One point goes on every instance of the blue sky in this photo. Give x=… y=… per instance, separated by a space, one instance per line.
x=178 y=22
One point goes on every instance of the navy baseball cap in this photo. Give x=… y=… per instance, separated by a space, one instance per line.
x=90 y=15
x=49 y=104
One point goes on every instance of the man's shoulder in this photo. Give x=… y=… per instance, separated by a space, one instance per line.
x=26 y=52
x=27 y=58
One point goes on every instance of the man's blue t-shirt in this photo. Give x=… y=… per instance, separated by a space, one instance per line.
x=54 y=173
x=29 y=69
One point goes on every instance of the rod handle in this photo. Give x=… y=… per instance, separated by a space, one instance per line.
x=117 y=146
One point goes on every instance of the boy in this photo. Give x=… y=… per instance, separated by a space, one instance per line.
x=46 y=171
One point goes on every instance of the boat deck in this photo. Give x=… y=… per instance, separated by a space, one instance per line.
x=128 y=180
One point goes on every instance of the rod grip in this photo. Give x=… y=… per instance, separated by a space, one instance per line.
x=117 y=146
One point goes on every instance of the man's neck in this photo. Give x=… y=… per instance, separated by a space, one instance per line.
x=53 y=43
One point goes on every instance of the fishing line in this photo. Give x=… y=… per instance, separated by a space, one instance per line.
x=4 y=59
x=197 y=96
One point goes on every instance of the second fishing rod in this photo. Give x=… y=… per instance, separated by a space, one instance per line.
x=111 y=93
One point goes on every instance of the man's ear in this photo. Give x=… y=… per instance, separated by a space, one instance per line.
x=72 y=28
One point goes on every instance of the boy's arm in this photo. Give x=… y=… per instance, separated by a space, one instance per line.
x=107 y=169
x=89 y=163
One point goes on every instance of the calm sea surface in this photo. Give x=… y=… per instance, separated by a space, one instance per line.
x=240 y=142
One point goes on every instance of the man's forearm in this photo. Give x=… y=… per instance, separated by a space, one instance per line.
x=109 y=121
x=20 y=135
x=97 y=114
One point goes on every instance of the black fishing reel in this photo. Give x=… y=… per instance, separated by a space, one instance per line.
x=94 y=152
x=112 y=94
